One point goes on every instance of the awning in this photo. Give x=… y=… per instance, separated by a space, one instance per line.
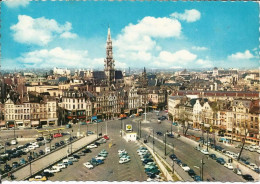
x=35 y=122
x=2 y=123
x=154 y=107
x=140 y=110
x=94 y=117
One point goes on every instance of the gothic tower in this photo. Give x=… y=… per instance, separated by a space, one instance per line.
x=109 y=61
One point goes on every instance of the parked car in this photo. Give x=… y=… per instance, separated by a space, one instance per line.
x=41 y=152
x=22 y=161
x=72 y=159
x=173 y=156
x=192 y=173
x=147 y=161
x=92 y=146
x=88 y=165
x=57 y=145
x=220 y=160
x=67 y=162
x=81 y=153
x=228 y=165
x=197 y=178
x=185 y=167
x=204 y=151
x=170 y=135
x=60 y=166
x=87 y=150
x=159 y=133
x=248 y=177
x=76 y=156
x=90 y=132
x=39 y=139
x=38 y=178
x=106 y=137
x=52 y=170
x=213 y=156
x=47 y=174
x=123 y=160
x=57 y=135
x=13 y=142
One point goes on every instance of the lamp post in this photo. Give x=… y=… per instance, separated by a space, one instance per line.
x=121 y=126
x=165 y=144
x=153 y=140
x=97 y=129
x=79 y=126
x=172 y=159
x=207 y=140
x=30 y=163
x=140 y=130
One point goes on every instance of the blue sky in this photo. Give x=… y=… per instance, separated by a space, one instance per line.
x=151 y=34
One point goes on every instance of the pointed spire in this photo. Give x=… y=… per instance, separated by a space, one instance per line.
x=108 y=34
x=144 y=70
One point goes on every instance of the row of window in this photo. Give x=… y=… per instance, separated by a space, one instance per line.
x=27 y=117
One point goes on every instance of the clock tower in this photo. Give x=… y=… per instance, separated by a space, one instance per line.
x=109 y=62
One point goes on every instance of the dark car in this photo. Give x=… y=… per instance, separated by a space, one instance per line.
x=7 y=168
x=41 y=152
x=30 y=158
x=159 y=133
x=170 y=135
x=147 y=160
x=38 y=127
x=96 y=143
x=179 y=162
x=197 y=178
x=164 y=117
x=173 y=156
x=76 y=156
x=220 y=160
x=153 y=170
x=213 y=156
x=47 y=174
x=15 y=165
x=257 y=170
x=192 y=173
x=148 y=155
x=7 y=144
x=27 y=144
x=39 y=139
x=2 y=161
x=248 y=177
x=87 y=150
x=62 y=142
x=57 y=144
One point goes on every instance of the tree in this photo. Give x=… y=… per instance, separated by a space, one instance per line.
x=184 y=118
x=243 y=141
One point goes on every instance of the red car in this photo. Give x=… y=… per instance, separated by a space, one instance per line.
x=106 y=137
x=57 y=135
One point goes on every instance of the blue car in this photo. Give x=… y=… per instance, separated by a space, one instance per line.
x=197 y=178
x=220 y=160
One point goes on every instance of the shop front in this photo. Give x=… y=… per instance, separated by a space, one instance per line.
x=19 y=123
x=2 y=123
x=35 y=123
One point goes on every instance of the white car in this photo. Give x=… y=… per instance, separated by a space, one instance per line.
x=229 y=166
x=59 y=166
x=252 y=166
x=88 y=165
x=121 y=151
x=92 y=146
x=100 y=158
x=47 y=150
x=123 y=160
x=26 y=150
x=31 y=147
x=204 y=151
x=258 y=151
x=254 y=146
x=52 y=170
x=185 y=167
x=72 y=159
x=1 y=147
x=251 y=149
x=13 y=142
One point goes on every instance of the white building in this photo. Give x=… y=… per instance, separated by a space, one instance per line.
x=60 y=71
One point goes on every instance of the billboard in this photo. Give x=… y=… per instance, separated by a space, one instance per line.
x=128 y=127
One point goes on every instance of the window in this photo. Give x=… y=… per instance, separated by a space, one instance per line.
x=73 y=106
x=256 y=119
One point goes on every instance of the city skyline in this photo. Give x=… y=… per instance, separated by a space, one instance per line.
x=189 y=35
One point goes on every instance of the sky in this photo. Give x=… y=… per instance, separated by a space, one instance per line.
x=162 y=35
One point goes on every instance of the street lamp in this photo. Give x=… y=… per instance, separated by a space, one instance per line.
x=97 y=129
x=165 y=144
x=153 y=140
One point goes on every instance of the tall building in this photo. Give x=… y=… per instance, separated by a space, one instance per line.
x=109 y=61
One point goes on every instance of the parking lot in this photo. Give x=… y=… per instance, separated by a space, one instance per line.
x=111 y=170
x=25 y=154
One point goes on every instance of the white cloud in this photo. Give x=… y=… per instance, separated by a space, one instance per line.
x=137 y=41
x=204 y=63
x=68 y=35
x=59 y=57
x=199 y=48
x=120 y=64
x=177 y=57
x=39 y=31
x=188 y=15
x=241 y=56
x=16 y=3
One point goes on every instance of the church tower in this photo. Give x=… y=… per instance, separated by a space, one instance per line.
x=109 y=61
